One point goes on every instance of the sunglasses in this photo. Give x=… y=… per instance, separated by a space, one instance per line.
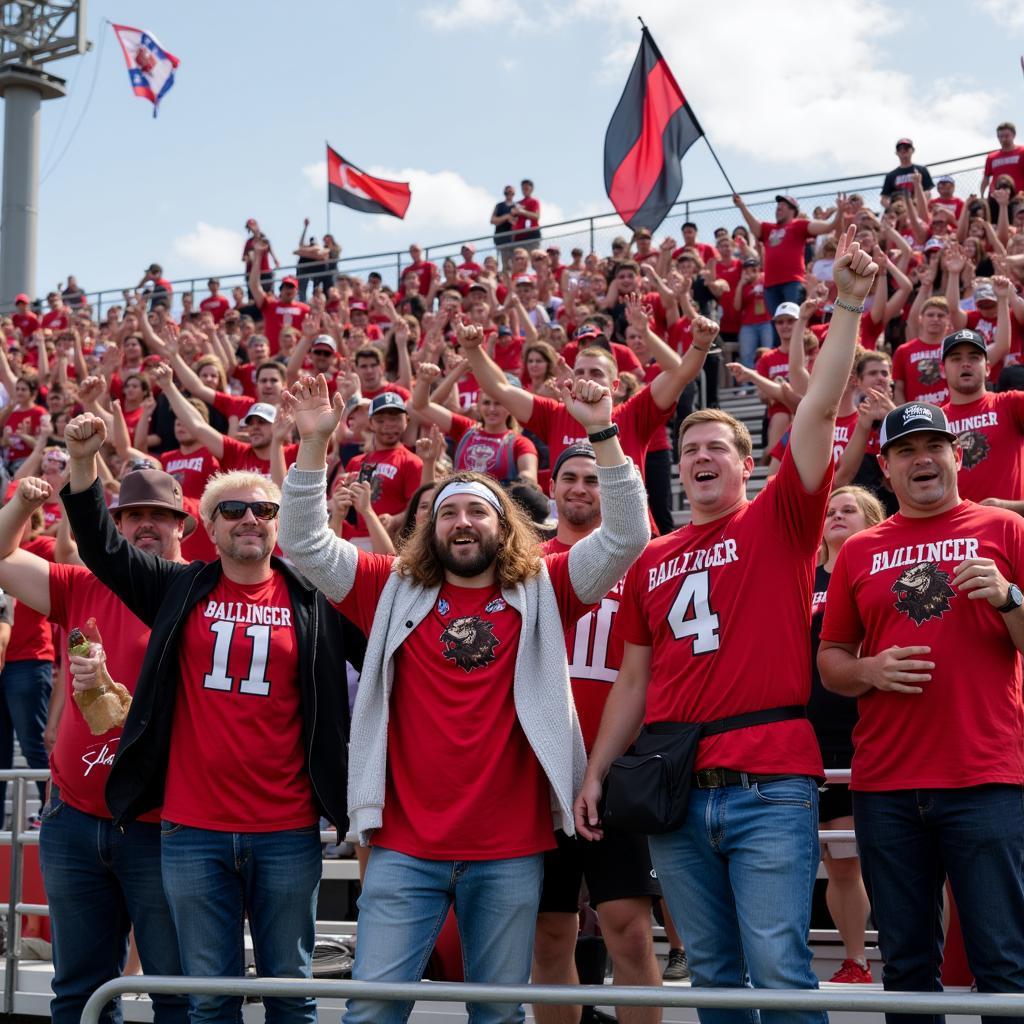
x=234 y=510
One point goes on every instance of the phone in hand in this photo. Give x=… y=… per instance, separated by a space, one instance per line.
x=366 y=471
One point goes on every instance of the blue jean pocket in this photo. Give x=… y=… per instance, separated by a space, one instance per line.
x=53 y=806
x=784 y=792
x=169 y=828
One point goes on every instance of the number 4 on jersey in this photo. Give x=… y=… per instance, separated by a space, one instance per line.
x=691 y=614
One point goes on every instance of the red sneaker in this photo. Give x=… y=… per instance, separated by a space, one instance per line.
x=851 y=973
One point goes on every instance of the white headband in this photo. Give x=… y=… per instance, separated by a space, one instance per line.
x=468 y=487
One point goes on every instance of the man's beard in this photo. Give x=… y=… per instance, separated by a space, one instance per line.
x=581 y=515
x=467 y=567
x=232 y=548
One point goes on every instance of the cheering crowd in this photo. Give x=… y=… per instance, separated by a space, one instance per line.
x=384 y=557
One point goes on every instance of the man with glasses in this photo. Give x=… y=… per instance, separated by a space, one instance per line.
x=237 y=727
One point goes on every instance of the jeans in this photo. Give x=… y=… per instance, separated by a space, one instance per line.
x=213 y=880
x=100 y=882
x=738 y=877
x=753 y=337
x=910 y=841
x=26 y=700
x=404 y=903
x=775 y=294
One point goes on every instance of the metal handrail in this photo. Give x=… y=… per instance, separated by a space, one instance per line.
x=989 y=1004
x=394 y=259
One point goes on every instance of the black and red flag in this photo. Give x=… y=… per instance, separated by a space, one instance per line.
x=351 y=187
x=651 y=129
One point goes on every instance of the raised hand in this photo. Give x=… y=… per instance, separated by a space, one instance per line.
x=361 y=493
x=589 y=403
x=284 y=421
x=469 y=336
x=428 y=372
x=316 y=416
x=84 y=436
x=431 y=447
x=161 y=375
x=91 y=389
x=1001 y=285
x=637 y=314
x=33 y=491
x=705 y=330
x=853 y=270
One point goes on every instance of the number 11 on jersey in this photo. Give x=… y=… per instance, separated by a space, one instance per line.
x=691 y=614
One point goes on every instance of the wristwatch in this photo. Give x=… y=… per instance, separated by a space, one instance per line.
x=1014 y=599
x=604 y=435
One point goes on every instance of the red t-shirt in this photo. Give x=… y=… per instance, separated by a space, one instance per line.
x=216 y=306
x=595 y=655
x=706 y=252
x=26 y=323
x=891 y=586
x=919 y=366
x=784 y=251
x=396 y=389
x=457 y=755
x=237 y=762
x=31 y=636
x=954 y=205
x=726 y=608
x=81 y=762
x=469 y=270
x=730 y=273
x=1011 y=163
x=775 y=366
x=991 y=431
x=241 y=455
x=509 y=354
x=486 y=452
x=245 y=374
x=753 y=309
x=638 y=418
x=396 y=478
x=192 y=471
x=232 y=405
x=18 y=447
x=525 y=225
x=277 y=314
x=424 y=271
x=56 y=320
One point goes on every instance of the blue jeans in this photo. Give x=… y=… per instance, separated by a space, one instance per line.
x=213 y=880
x=775 y=294
x=753 y=337
x=99 y=883
x=26 y=699
x=404 y=903
x=738 y=878
x=910 y=841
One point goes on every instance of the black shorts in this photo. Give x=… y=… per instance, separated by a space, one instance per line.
x=835 y=801
x=616 y=868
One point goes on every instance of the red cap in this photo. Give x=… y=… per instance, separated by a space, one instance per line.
x=904 y=142
x=22 y=297
x=357 y=307
x=293 y=281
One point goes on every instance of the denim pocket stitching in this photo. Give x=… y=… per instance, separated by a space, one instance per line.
x=776 y=801
x=52 y=808
x=172 y=831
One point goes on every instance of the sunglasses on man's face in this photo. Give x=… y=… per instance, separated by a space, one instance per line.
x=234 y=510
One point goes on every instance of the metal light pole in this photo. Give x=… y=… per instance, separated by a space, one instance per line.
x=31 y=33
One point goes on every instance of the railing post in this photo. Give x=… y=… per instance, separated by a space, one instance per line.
x=398 y=270
x=13 y=931
x=592 y=239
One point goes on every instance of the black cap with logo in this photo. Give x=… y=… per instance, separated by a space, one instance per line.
x=913 y=418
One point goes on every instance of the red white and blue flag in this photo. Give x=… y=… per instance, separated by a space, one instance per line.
x=351 y=187
x=150 y=67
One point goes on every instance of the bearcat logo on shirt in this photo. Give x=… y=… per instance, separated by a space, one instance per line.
x=470 y=642
x=923 y=592
x=975 y=447
x=928 y=371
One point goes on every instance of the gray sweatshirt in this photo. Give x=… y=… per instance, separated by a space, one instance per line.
x=542 y=694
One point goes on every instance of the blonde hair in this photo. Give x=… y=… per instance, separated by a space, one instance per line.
x=740 y=435
x=597 y=352
x=519 y=554
x=870 y=508
x=220 y=483
x=214 y=361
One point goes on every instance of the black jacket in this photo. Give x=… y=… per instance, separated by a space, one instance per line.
x=161 y=594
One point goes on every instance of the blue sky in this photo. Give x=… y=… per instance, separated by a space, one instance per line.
x=460 y=97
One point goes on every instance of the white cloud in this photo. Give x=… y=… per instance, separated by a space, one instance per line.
x=801 y=93
x=471 y=14
x=209 y=249
x=444 y=205
x=1006 y=13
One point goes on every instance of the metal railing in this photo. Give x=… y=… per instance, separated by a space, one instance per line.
x=969 y=1004
x=586 y=232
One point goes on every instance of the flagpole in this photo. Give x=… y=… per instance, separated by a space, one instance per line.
x=732 y=188
x=327 y=191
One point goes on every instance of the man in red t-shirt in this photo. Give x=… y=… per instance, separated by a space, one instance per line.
x=697 y=649
x=369 y=364
x=989 y=426
x=58 y=317
x=1007 y=159
x=284 y=311
x=464 y=744
x=124 y=890
x=215 y=304
x=617 y=870
x=937 y=767
x=23 y=318
x=237 y=726
x=784 y=243
x=393 y=472
x=917 y=364
x=423 y=269
x=527 y=225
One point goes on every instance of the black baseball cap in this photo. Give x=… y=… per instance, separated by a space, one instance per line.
x=913 y=418
x=580 y=450
x=963 y=337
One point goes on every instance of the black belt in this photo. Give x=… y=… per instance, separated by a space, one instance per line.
x=715 y=778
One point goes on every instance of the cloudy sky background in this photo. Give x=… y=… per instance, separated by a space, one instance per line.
x=460 y=97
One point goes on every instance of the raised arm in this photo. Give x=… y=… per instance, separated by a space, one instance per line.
x=489 y=375
x=183 y=409
x=752 y=222
x=427 y=410
x=1000 y=347
x=668 y=385
x=811 y=439
x=953 y=262
x=26 y=577
x=259 y=247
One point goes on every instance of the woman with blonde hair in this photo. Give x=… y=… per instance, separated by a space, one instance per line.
x=850 y=510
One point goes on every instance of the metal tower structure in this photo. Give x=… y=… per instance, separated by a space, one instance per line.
x=31 y=34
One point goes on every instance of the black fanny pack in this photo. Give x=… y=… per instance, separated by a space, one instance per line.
x=648 y=789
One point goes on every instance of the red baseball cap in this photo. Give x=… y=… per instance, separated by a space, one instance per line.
x=21 y=297
x=293 y=281
x=357 y=307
